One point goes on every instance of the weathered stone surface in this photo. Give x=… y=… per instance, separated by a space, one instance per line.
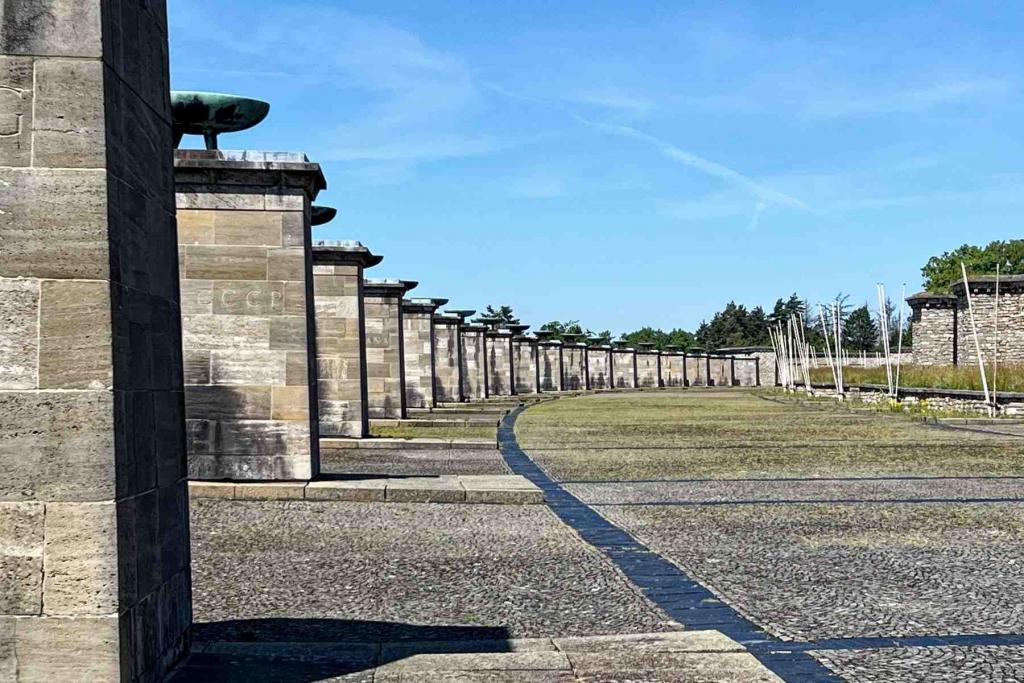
x=357 y=490
x=248 y=367
x=81 y=559
x=214 y=263
x=15 y=111
x=21 y=560
x=574 y=369
x=648 y=369
x=69 y=28
x=68 y=649
x=75 y=335
x=474 y=365
x=551 y=362
x=418 y=355
x=500 y=377
x=56 y=446
x=53 y=223
x=19 y=332
x=225 y=402
x=624 y=368
x=68 y=123
x=599 y=368
x=447 y=359
x=524 y=364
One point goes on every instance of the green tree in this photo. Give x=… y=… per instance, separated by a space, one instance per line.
x=942 y=271
x=558 y=328
x=860 y=332
x=503 y=313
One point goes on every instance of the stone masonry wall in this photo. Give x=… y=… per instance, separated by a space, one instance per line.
x=341 y=357
x=597 y=368
x=696 y=370
x=1011 y=327
x=418 y=345
x=672 y=369
x=474 y=364
x=447 y=370
x=935 y=335
x=721 y=371
x=524 y=362
x=647 y=369
x=550 y=359
x=624 y=368
x=384 y=362
x=574 y=372
x=746 y=371
x=94 y=541
x=499 y=364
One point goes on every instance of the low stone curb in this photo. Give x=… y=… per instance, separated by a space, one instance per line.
x=419 y=443
x=493 y=489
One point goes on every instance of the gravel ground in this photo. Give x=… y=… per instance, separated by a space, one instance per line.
x=349 y=571
x=412 y=462
x=807 y=572
x=927 y=664
x=804 y=489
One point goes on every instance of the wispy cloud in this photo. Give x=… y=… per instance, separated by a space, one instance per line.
x=616 y=100
x=714 y=169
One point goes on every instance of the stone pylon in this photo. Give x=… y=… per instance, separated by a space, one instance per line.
x=94 y=541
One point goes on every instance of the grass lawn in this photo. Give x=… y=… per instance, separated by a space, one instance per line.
x=1009 y=376
x=729 y=433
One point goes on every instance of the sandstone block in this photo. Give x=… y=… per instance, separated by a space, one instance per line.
x=21 y=560
x=80 y=559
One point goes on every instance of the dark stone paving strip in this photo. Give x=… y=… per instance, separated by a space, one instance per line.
x=806 y=501
x=665 y=584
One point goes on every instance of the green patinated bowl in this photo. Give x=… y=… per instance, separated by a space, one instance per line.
x=322 y=214
x=211 y=113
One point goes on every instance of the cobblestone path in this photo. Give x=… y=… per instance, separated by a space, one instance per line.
x=833 y=545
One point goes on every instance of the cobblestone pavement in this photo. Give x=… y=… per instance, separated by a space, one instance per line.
x=983 y=664
x=928 y=555
x=361 y=571
x=412 y=462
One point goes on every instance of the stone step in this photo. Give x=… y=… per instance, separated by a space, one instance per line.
x=498 y=489
x=485 y=419
x=418 y=443
x=671 y=656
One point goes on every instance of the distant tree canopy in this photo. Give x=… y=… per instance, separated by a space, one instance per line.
x=942 y=271
x=660 y=338
x=503 y=313
x=558 y=329
x=860 y=332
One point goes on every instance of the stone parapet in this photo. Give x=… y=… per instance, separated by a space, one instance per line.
x=418 y=350
x=447 y=359
x=384 y=340
x=500 y=372
x=648 y=368
x=246 y=276
x=524 y=364
x=574 y=367
x=550 y=365
x=338 y=269
x=474 y=362
x=599 y=363
x=624 y=368
x=673 y=369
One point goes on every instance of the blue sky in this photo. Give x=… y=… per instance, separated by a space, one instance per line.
x=631 y=164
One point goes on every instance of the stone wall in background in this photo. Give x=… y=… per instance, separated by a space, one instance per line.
x=746 y=371
x=550 y=365
x=696 y=370
x=474 y=364
x=574 y=367
x=1011 y=320
x=340 y=329
x=418 y=350
x=624 y=368
x=524 y=363
x=672 y=373
x=934 y=323
x=94 y=541
x=447 y=359
x=648 y=369
x=498 y=346
x=246 y=276
x=720 y=371
x=599 y=367
x=385 y=368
